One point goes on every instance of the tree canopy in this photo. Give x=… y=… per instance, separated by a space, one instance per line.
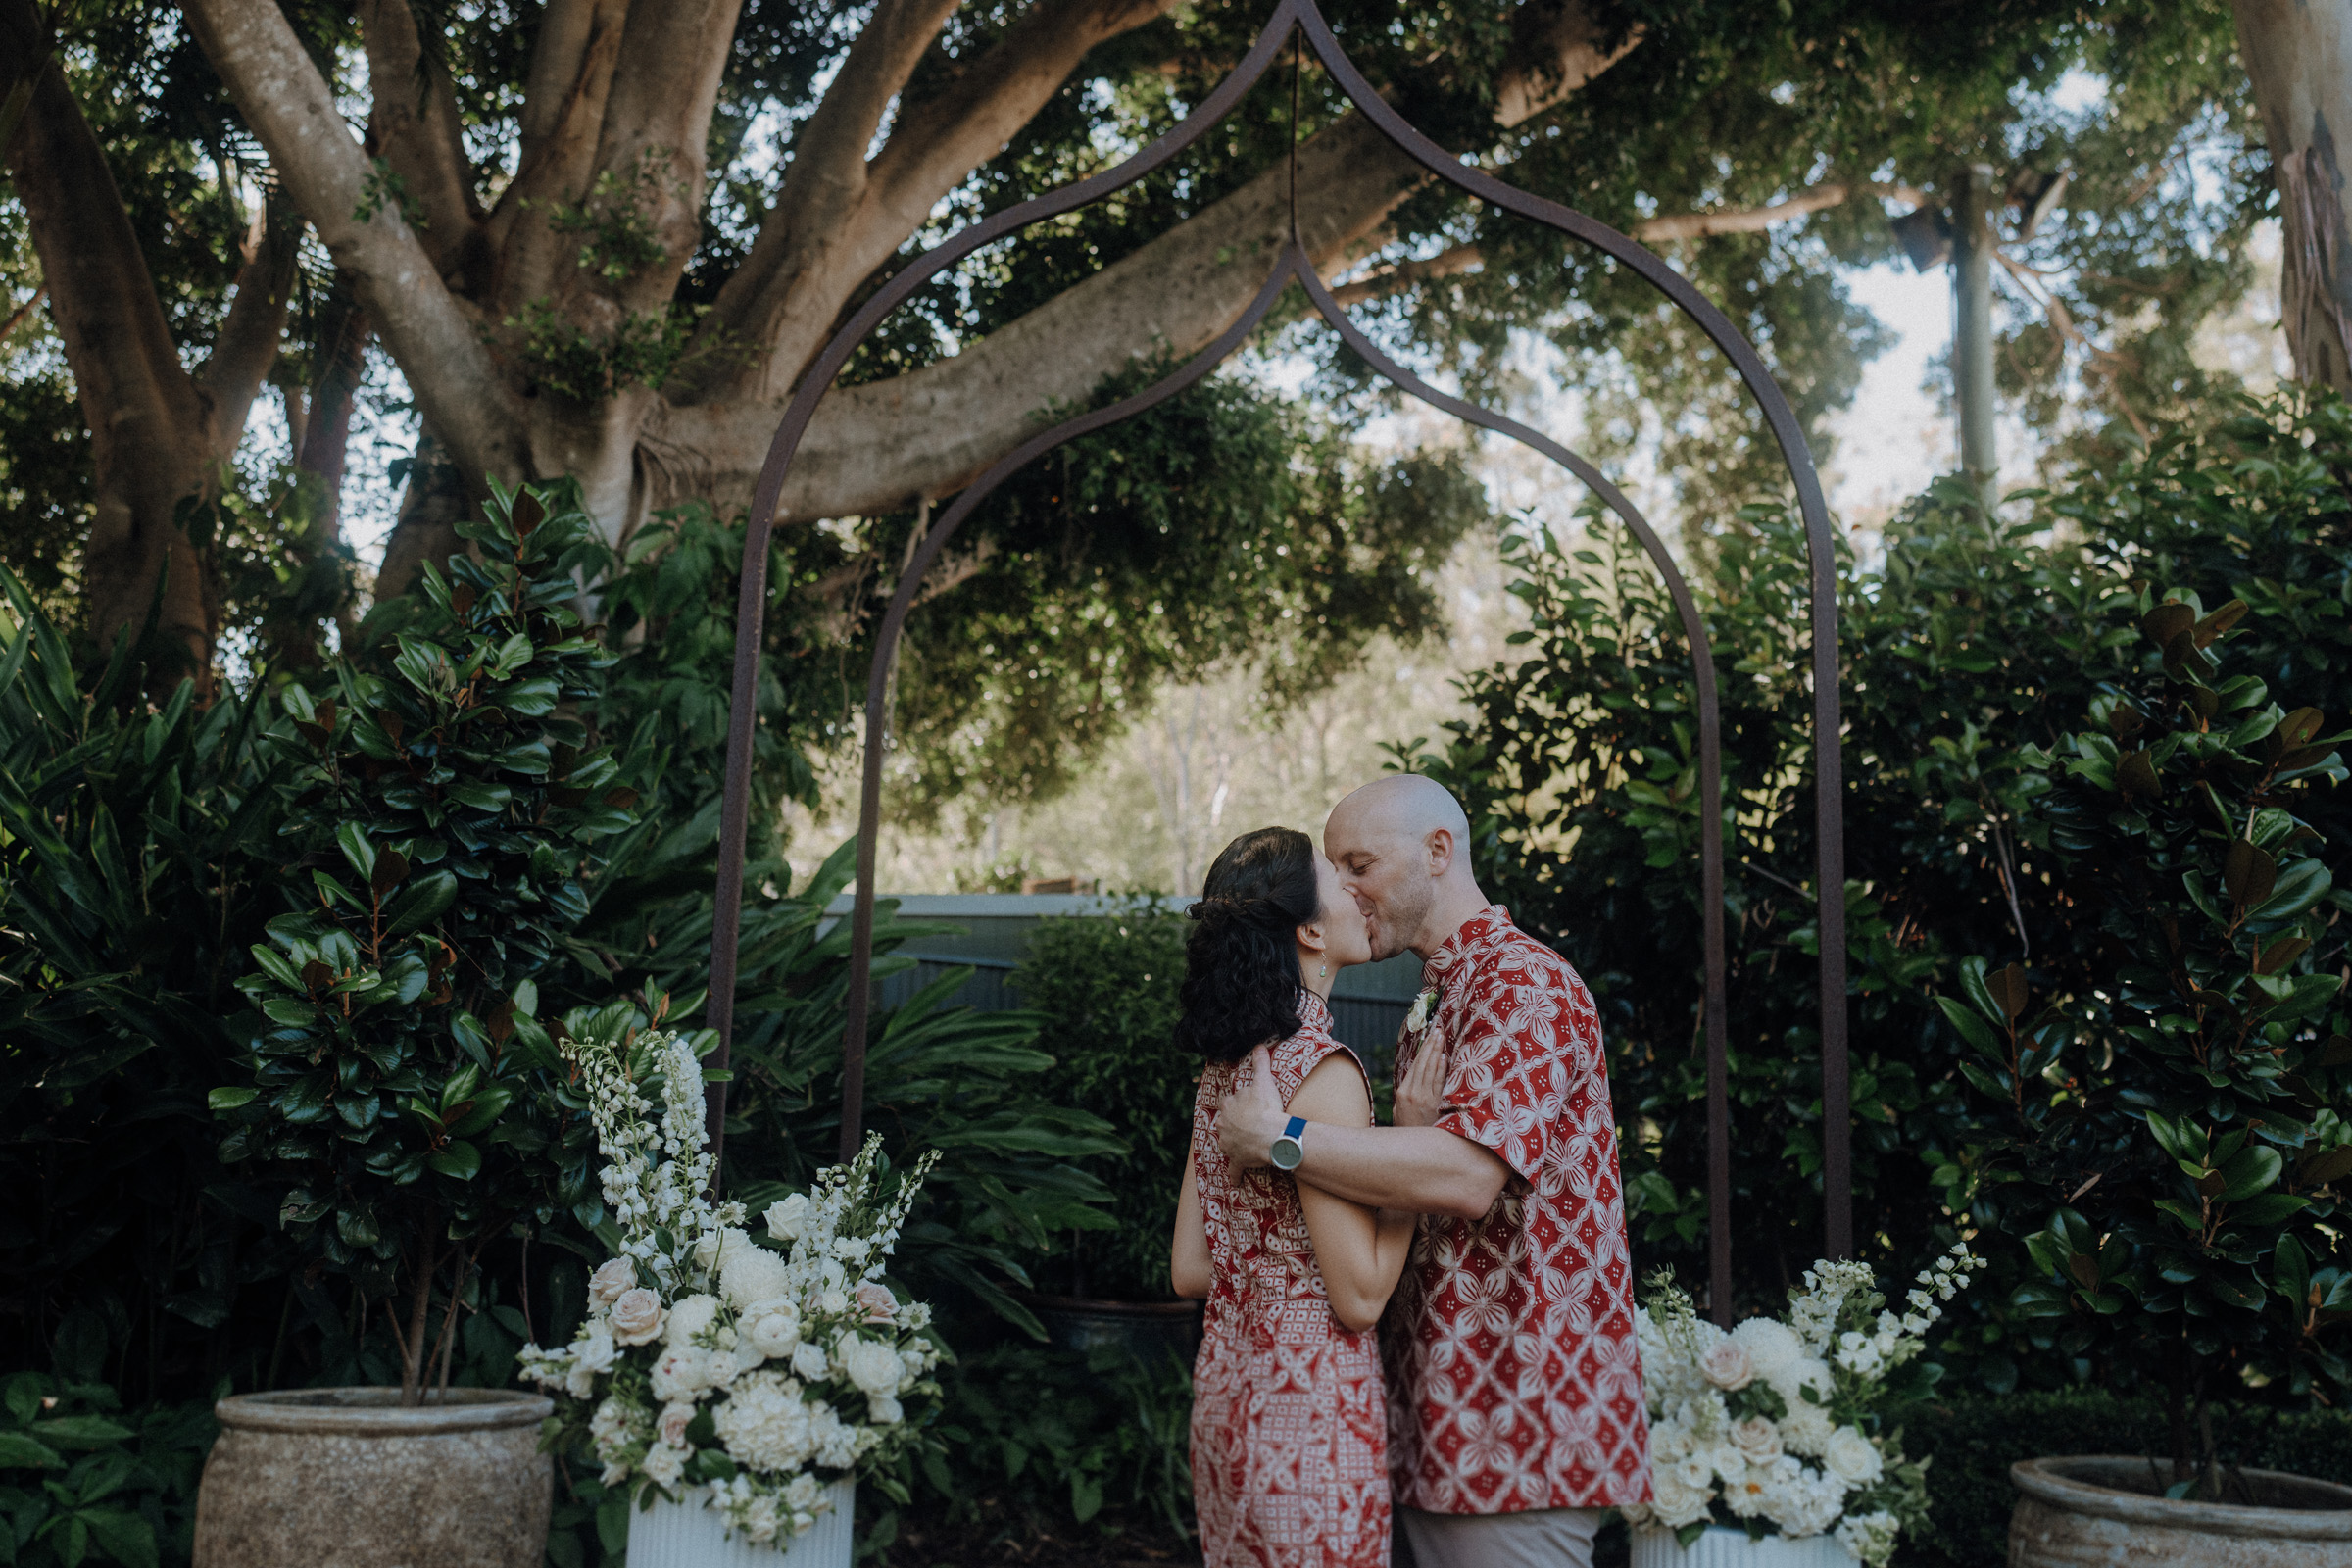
x=602 y=240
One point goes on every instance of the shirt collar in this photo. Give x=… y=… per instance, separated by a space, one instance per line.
x=1482 y=930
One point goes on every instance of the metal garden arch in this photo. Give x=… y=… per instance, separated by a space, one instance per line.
x=1292 y=263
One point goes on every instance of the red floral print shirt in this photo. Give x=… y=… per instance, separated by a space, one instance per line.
x=1514 y=1381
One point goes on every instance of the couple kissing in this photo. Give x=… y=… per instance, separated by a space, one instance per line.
x=1418 y=1344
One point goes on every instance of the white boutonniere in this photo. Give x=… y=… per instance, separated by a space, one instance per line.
x=1418 y=1019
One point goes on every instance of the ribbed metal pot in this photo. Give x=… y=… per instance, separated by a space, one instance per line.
x=346 y=1478
x=694 y=1535
x=2111 y=1512
x=1723 y=1547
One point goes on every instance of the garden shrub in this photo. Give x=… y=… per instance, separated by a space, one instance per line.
x=1973 y=1439
x=1107 y=990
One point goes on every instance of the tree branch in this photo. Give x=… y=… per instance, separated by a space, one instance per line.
x=414 y=119
x=250 y=335
x=434 y=338
x=929 y=431
x=1650 y=232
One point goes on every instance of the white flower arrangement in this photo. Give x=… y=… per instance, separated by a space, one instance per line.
x=1773 y=1428
x=1423 y=1004
x=761 y=1368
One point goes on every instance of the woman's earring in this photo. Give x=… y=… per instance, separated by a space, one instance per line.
x=1322 y=970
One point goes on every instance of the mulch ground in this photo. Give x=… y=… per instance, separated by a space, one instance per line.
x=1138 y=1545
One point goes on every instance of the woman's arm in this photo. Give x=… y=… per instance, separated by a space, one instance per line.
x=1188 y=1270
x=1359 y=1251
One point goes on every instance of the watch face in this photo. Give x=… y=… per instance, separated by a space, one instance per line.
x=1287 y=1152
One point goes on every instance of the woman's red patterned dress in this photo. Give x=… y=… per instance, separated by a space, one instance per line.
x=1289 y=1427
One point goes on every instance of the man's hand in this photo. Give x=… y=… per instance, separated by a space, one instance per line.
x=1421 y=1093
x=1251 y=1117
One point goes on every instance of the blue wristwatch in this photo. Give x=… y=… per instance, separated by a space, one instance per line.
x=1288 y=1149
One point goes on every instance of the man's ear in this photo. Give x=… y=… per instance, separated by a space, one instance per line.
x=1441 y=848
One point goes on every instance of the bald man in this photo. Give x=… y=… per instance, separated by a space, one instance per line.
x=1514 y=1386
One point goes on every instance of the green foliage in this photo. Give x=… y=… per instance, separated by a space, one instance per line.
x=1034 y=1439
x=83 y=1480
x=447 y=810
x=642 y=348
x=1969 y=654
x=1107 y=987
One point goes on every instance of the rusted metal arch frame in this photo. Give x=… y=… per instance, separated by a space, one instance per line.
x=1302 y=15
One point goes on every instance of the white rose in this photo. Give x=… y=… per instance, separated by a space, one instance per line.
x=1726 y=1366
x=802 y=1494
x=772 y=1328
x=1852 y=1457
x=671 y=1426
x=874 y=1368
x=636 y=1316
x=1725 y=1461
x=682 y=1373
x=663 y=1465
x=753 y=1273
x=579 y=1381
x=691 y=1315
x=1676 y=1503
x=786 y=1218
x=706 y=1248
x=809 y=1361
x=1757 y=1438
x=1770 y=1346
x=594 y=1350
x=833 y=1302
x=883 y=1410
x=610 y=1280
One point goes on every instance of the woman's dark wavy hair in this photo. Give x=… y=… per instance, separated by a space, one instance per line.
x=1241 y=963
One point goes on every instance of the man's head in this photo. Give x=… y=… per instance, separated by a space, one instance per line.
x=1401 y=844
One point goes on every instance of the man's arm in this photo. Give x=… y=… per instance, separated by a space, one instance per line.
x=1426 y=1170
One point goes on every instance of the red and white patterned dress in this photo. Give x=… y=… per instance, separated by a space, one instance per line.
x=1513 y=1375
x=1288 y=1419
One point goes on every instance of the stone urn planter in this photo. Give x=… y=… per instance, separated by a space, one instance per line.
x=2113 y=1512
x=1145 y=1329
x=345 y=1478
x=692 y=1535
x=1723 y=1547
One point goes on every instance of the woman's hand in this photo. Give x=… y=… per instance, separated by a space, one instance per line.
x=1421 y=1093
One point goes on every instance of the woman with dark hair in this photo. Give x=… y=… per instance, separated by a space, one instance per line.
x=1289 y=1423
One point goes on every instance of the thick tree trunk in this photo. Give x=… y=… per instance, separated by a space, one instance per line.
x=156 y=431
x=2298 y=54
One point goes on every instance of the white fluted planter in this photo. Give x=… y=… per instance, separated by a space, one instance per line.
x=694 y=1535
x=1723 y=1548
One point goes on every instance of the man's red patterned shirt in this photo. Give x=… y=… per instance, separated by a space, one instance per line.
x=1514 y=1381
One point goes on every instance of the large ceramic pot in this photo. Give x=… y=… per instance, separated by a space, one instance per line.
x=345 y=1478
x=694 y=1535
x=2113 y=1512
x=1145 y=1329
x=1723 y=1547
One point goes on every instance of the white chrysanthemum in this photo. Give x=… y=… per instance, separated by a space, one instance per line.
x=1771 y=1346
x=872 y=1366
x=689 y=1318
x=1806 y=1372
x=766 y=1424
x=1806 y=1428
x=751 y=1273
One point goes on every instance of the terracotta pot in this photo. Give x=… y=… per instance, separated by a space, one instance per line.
x=691 y=1535
x=1725 y=1548
x=1145 y=1330
x=345 y=1478
x=2113 y=1512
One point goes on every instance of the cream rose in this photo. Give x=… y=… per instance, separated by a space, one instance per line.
x=1757 y=1438
x=1852 y=1457
x=873 y=1297
x=605 y=1285
x=636 y=1316
x=1726 y=1366
x=672 y=1424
